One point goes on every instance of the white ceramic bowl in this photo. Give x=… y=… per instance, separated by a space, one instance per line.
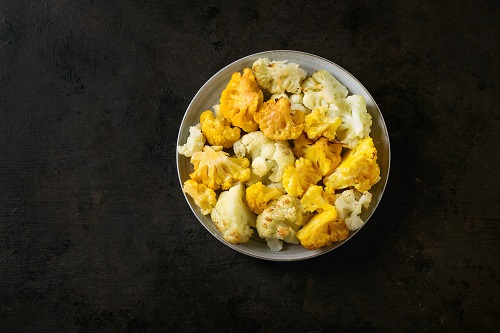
x=209 y=95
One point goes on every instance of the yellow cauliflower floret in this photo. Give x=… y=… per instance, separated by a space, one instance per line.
x=318 y=124
x=358 y=168
x=203 y=196
x=298 y=178
x=324 y=155
x=300 y=145
x=315 y=199
x=218 y=132
x=322 y=230
x=278 y=121
x=241 y=99
x=216 y=169
x=258 y=196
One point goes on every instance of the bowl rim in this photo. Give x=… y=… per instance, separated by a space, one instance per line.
x=313 y=253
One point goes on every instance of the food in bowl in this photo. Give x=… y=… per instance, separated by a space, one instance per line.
x=284 y=155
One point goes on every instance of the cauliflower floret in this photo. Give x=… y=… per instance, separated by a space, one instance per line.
x=278 y=96
x=259 y=148
x=325 y=156
x=203 y=196
x=278 y=76
x=300 y=145
x=194 y=143
x=321 y=89
x=218 y=132
x=358 y=168
x=216 y=169
x=232 y=216
x=349 y=204
x=356 y=121
x=322 y=230
x=315 y=199
x=269 y=157
x=283 y=157
x=277 y=185
x=241 y=99
x=295 y=101
x=258 y=196
x=278 y=122
x=280 y=221
x=318 y=124
x=298 y=178
x=254 y=179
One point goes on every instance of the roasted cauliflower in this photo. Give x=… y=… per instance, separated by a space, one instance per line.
x=358 y=169
x=194 y=142
x=269 y=157
x=318 y=123
x=258 y=196
x=241 y=99
x=232 y=217
x=247 y=176
x=315 y=199
x=280 y=221
x=278 y=76
x=356 y=121
x=203 y=196
x=298 y=178
x=218 y=132
x=349 y=204
x=322 y=230
x=324 y=155
x=300 y=145
x=295 y=101
x=283 y=157
x=259 y=149
x=217 y=170
x=278 y=121
x=321 y=89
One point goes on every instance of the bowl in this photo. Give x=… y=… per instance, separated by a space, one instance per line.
x=209 y=95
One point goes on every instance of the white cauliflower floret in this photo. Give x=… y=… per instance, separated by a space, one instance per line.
x=349 y=204
x=356 y=121
x=322 y=89
x=259 y=148
x=297 y=101
x=278 y=76
x=269 y=158
x=282 y=157
x=232 y=216
x=280 y=221
x=194 y=143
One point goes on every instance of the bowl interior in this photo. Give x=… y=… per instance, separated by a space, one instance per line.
x=209 y=95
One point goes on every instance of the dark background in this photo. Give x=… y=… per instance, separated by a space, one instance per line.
x=95 y=234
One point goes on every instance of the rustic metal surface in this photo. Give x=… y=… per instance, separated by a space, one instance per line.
x=95 y=233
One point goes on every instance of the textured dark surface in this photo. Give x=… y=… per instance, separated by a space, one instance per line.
x=95 y=234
